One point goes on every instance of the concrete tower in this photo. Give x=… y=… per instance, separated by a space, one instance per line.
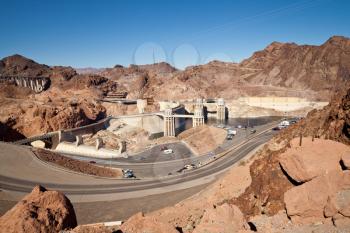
x=169 y=123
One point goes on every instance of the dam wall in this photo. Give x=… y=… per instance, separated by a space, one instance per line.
x=37 y=84
x=283 y=104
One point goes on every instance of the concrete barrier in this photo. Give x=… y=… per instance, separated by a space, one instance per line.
x=87 y=151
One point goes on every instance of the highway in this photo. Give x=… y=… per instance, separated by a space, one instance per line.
x=153 y=163
x=21 y=170
x=81 y=186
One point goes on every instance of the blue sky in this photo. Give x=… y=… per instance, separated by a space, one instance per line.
x=83 y=33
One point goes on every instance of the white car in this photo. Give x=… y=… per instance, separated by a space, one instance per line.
x=232 y=132
x=189 y=166
x=168 y=151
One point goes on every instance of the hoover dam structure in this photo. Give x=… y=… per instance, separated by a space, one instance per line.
x=37 y=84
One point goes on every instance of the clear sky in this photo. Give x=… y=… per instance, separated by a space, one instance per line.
x=84 y=33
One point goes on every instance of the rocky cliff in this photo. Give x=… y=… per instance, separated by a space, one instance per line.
x=281 y=69
x=70 y=101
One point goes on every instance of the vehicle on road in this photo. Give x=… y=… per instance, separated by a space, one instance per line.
x=239 y=126
x=168 y=151
x=229 y=137
x=253 y=131
x=232 y=132
x=128 y=173
x=189 y=166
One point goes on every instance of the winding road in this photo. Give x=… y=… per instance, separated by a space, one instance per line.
x=21 y=170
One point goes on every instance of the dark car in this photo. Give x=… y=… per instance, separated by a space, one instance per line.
x=128 y=173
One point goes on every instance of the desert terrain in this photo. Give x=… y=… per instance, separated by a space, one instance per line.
x=298 y=181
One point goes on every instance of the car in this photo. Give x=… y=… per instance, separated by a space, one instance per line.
x=253 y=131
x=128 y=173
x=189 y=166
x=284 y=124
x=232 y=132
x=239 y=126
x=229 y=137
x=92 y=161
x=276 y=128
x=168 y=151
x=221 y=126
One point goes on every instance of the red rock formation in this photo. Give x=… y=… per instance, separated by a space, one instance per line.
x=281 y=69
x=40 y=211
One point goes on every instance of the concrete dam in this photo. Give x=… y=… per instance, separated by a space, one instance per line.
x=37 y=84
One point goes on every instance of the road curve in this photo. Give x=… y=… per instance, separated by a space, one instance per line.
x=89 y=185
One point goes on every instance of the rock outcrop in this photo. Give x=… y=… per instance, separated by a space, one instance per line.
x=71 y=100
x=139 y=224
x=324 y=192
x=281 y=69
x=224 y=218
x=312 y=159
x=40 y=211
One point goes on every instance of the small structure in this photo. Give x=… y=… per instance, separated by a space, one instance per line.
x=99 y=143
x=141 y=105
x=38 y=144
x=122 y=147
x=220 y=112
x=169 y=123
x=78 y=140
x=198 y=117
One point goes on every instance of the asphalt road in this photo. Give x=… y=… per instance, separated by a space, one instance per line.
x=117 y=186
x=119 y=199
x=159 y=165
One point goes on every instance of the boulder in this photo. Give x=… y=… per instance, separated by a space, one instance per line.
x=40 y=211
x=139 y=223
x=345 y=158
x=323 y=196
x=223 y=218
x=312 y=159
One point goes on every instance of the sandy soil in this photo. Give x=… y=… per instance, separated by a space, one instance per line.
x=75 y=165
x=203 y=139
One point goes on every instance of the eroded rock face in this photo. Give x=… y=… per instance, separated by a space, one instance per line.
x=40 y=211
x=224 y=218
x=312 y=159
x=345 y=158
x=325 y=189
x=140 y=224
x=324 y=196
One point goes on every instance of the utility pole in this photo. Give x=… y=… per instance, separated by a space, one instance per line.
x=154 y=57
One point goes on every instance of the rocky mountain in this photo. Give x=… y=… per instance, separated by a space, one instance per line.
x=70 y=100
x=281 y=69
x=331 y=122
